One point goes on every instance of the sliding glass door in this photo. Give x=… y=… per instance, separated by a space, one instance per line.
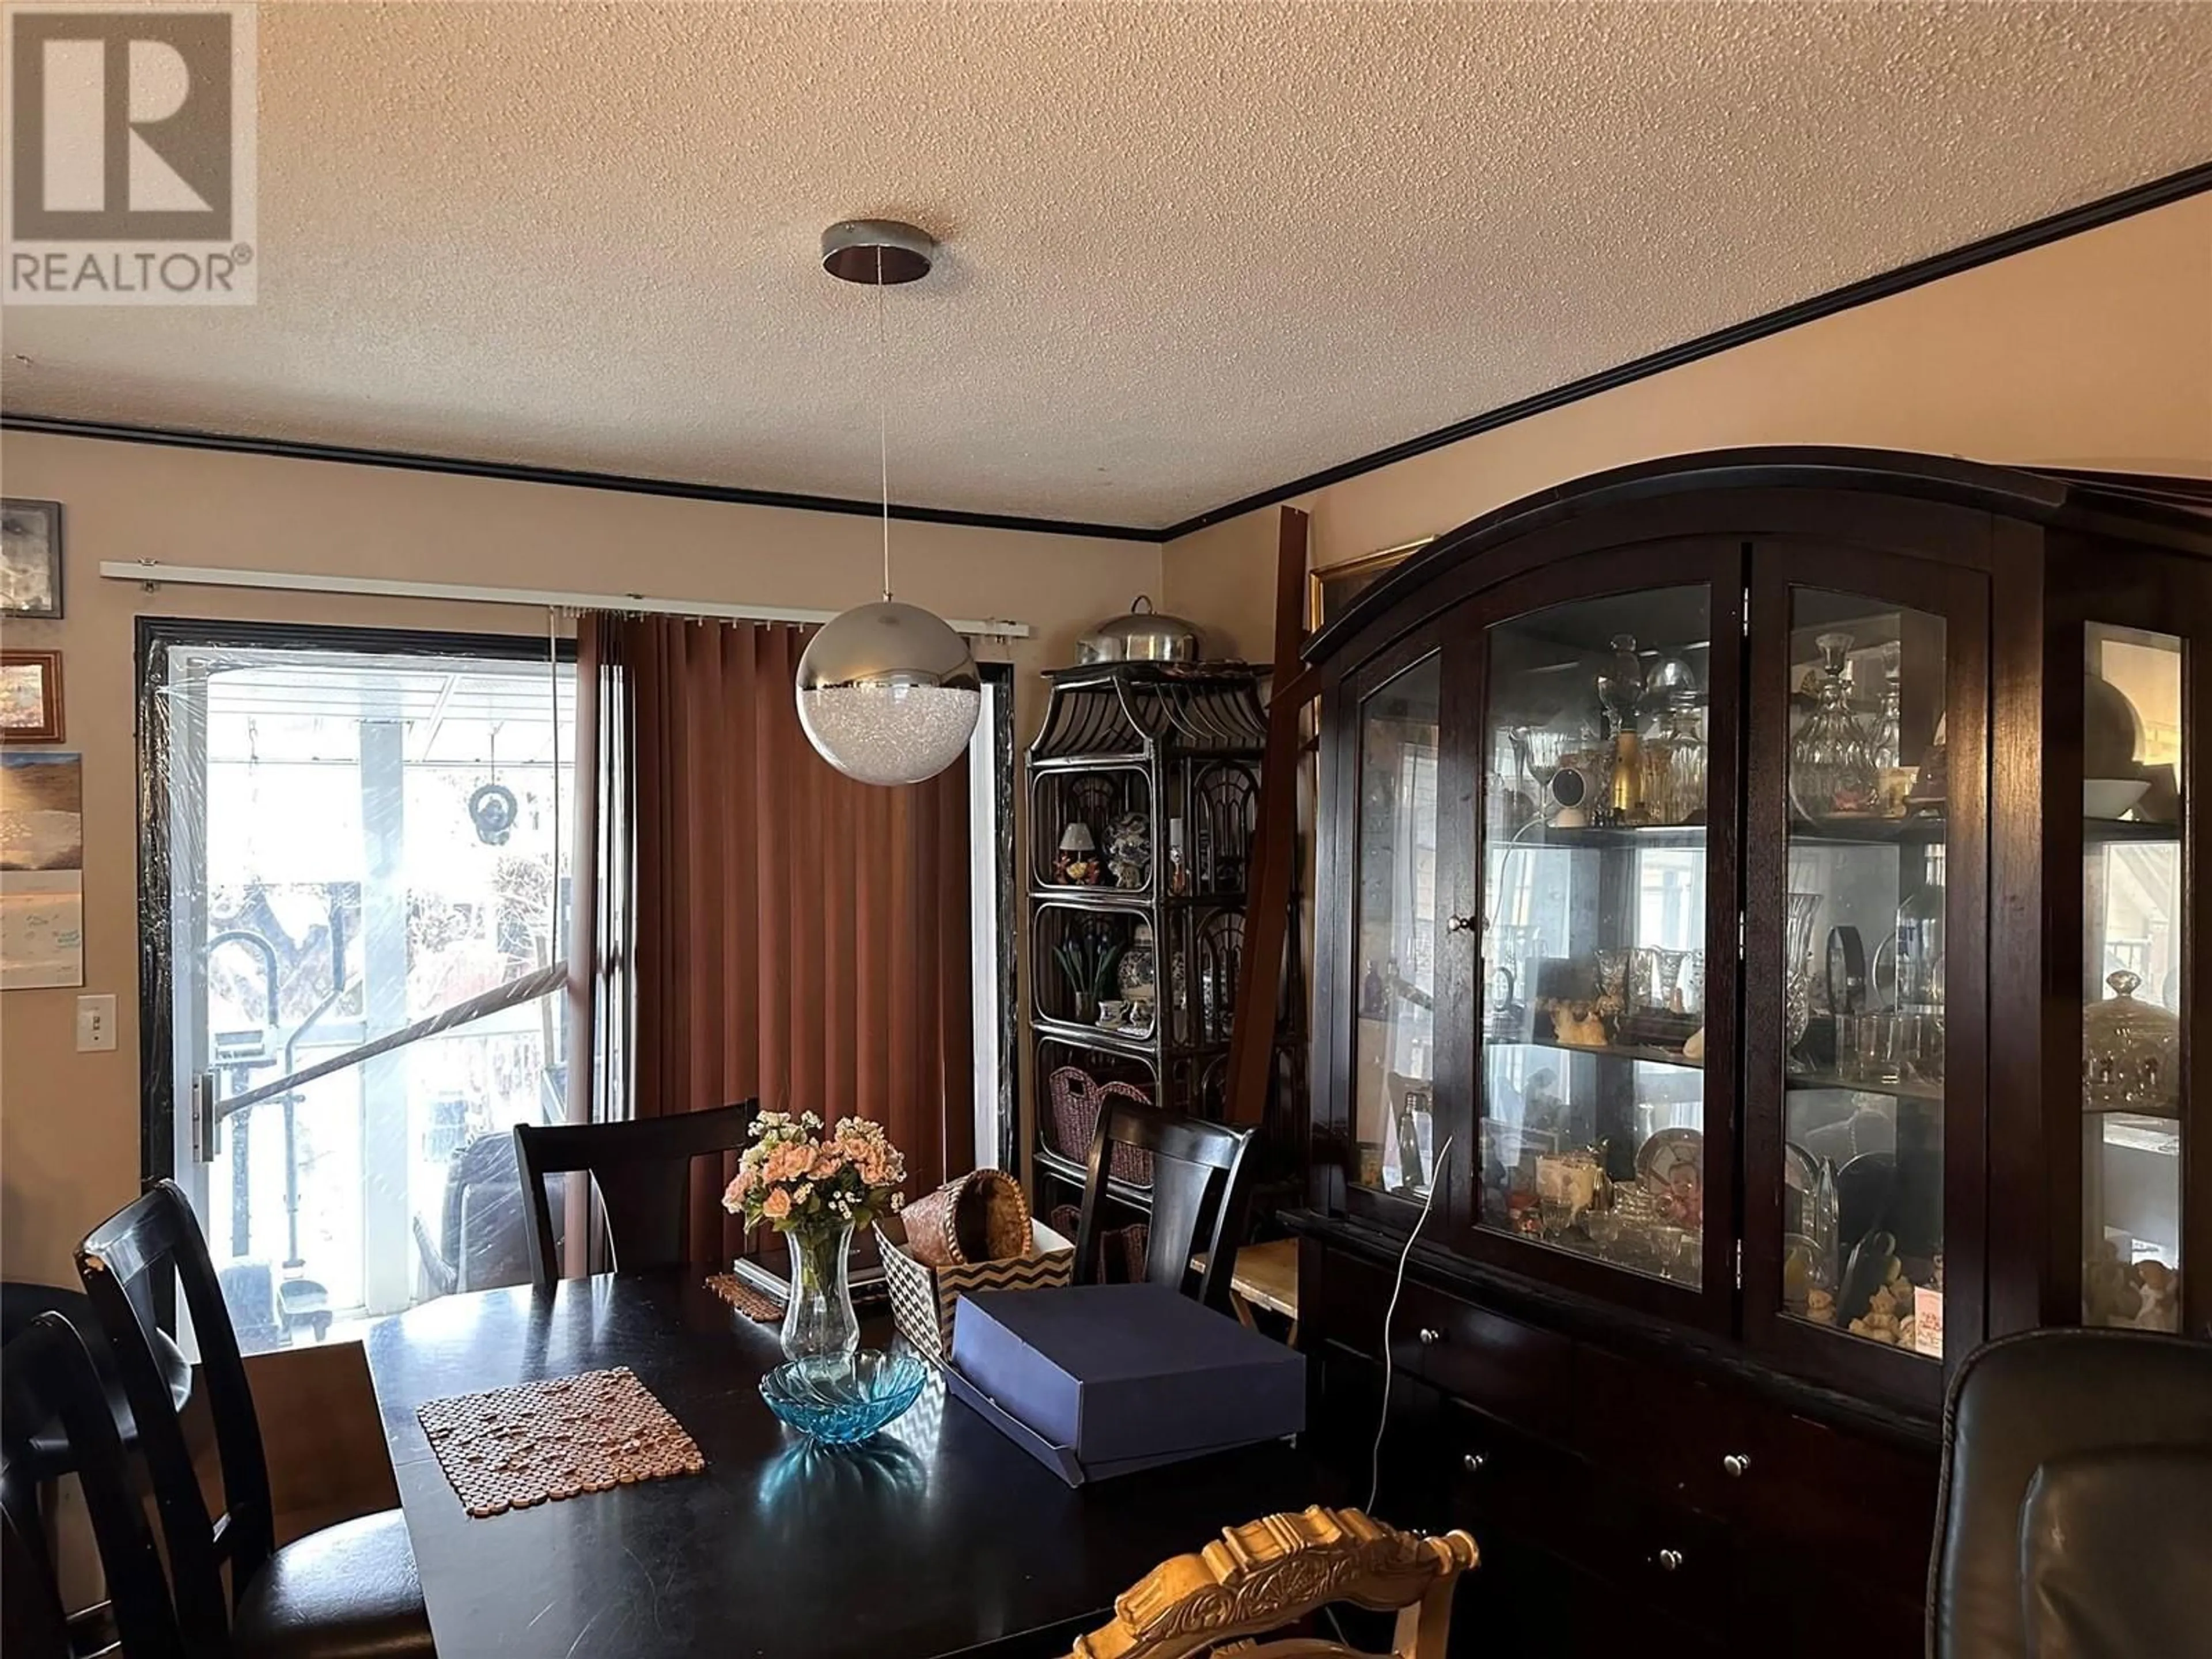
x=359 y=835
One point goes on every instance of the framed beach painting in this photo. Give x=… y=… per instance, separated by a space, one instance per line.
x=30 y=559
x=41 y=869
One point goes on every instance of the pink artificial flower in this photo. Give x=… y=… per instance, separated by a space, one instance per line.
x=777 y=1204
x=734 y=1200
x=826 y=1164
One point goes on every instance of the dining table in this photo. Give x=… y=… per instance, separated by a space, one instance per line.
x=938 y=1536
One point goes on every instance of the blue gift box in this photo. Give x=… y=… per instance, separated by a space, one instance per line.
x=1098 y=1380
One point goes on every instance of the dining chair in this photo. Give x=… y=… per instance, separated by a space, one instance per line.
x=350 y=1591
x=1200 y=1170
x=42 y=1453
x=641 y=1171
x=49 y=1390
x=1261 y=1577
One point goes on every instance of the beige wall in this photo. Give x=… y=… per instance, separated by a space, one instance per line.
x=69 y=1123
x=2094 y=351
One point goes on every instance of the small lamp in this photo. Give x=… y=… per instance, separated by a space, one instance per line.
x=1077 y=861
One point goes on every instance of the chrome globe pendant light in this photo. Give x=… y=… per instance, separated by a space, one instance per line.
x=888 y=693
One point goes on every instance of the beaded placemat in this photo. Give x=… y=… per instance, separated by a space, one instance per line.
x=752 y=1303
x=556 y=1438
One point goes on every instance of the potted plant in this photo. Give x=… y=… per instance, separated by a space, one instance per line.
x=1091 y=957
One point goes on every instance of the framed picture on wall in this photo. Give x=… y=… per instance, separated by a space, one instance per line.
x=1333 y=586
x=30 y=559
x=30 y=696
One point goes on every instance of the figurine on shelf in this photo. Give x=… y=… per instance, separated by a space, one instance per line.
x=1077 y=863
x=1577 y=1025
x=1178 y=871
x=1129 y=849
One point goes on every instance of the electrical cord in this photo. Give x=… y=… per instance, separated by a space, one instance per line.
x=1390 y=1313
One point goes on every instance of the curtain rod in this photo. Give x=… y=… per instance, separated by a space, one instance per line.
x=153 y=571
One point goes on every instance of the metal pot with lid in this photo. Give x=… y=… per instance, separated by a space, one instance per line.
x=1143 y=636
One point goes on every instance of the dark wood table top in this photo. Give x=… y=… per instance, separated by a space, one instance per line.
x=938 y=1537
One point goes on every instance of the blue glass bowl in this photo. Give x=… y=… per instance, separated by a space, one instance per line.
x=840 y=1403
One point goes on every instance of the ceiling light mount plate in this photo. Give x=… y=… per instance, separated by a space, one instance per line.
x=850 y=249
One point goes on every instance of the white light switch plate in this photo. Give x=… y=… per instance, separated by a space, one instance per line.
x=95 y=1024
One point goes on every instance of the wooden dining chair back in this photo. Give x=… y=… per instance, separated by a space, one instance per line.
x=641 y=1171
x=47 y=1376
x=1201 y=1174
x=123 y=1262
x=1264 y=1577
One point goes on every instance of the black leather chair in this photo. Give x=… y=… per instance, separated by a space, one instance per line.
x=643 y=1172
x=43 y=1453
x=349 y=1592
x=2074 y=1517
x=1201 y=1173
x=482 y=1241
x=50 y=1392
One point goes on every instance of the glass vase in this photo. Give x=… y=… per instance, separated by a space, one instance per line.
x=1831 y=770
x=1798 y=968
x=820 y=1328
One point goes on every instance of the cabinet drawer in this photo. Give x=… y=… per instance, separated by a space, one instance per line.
x=1341 y=1301
x=1737 y=1457
x=1510 y=1371
x=1505 y=1484
x=1668 y=1433
x=1665 y=1558
x=1661 y=1557
x=1839 y=1496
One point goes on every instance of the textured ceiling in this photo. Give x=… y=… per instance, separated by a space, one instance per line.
x=1193 y=250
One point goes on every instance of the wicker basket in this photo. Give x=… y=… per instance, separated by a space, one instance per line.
x=1077 y=1099
x=924 y=1298
x=1121 y=1250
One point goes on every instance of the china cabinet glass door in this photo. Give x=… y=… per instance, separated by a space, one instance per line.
x=1863 y=960
x=1605 y=928
x=2134 y=796
x=1395 y=924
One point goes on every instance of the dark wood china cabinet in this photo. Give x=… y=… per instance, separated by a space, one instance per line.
x=1760 y=912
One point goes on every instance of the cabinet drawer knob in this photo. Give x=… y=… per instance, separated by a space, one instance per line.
x=1428 y=1336
x=1669 y=1560
x=1735 y=1463
x=1459 y=924
x=1473 y=1462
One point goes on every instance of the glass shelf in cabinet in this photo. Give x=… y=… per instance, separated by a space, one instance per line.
x=2100 y=832
x=1647 y=1056
x=1902 y=1088
x=1871 y=831
x=1602 y=837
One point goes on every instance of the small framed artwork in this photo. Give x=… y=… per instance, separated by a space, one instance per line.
x=30 y=696
x=30 y=559
x=1333 y=586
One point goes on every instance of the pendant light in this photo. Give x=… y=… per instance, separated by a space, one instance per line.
x=888 y=693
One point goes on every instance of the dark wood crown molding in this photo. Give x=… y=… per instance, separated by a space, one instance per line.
x=2090 y=216
x=297 y=449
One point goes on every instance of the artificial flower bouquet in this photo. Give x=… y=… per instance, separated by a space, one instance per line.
x=798 y=1179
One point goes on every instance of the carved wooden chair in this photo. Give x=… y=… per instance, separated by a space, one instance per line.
x=1268 y=1574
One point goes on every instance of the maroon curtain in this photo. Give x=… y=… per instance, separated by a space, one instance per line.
x=791 y=934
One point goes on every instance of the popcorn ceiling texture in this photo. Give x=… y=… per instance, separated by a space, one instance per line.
x=1193 y=250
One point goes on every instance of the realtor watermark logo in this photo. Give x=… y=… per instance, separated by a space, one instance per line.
x=131 y=165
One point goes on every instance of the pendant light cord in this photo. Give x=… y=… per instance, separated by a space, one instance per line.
x=883 y=418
